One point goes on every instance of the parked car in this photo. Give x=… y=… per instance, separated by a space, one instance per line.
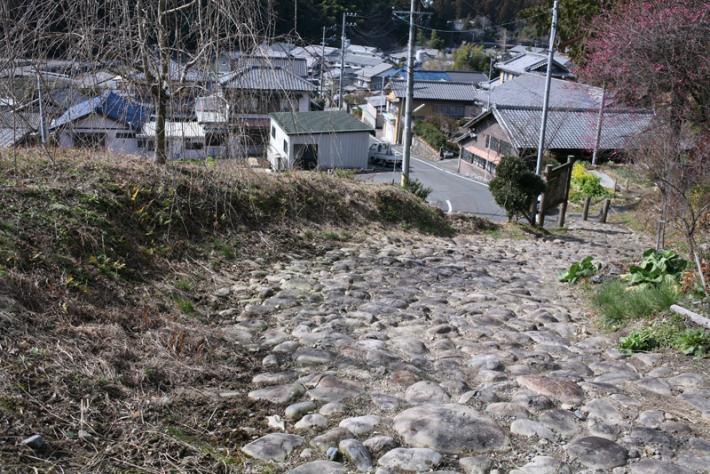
x=382 y=154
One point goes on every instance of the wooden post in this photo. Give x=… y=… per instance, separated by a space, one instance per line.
x=585 y=212
x=563 y=207
x=605 y=211
x=541 y=209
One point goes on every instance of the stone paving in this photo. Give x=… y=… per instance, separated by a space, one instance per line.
x=415 y=354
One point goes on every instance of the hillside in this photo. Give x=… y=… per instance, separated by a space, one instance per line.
x=113 y=276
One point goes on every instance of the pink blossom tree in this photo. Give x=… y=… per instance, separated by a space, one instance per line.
x=654 y=53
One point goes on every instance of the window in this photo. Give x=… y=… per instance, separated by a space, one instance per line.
x=148 y=145
x=125 y=135
x=193 y=145
x=215 y=139
x=92 y=141
x=285 y=146
x=273 y=131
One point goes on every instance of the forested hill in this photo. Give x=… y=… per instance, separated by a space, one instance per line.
x=376 y=24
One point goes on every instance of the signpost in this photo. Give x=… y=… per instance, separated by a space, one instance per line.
x=558 y=182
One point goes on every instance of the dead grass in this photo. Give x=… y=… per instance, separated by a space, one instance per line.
x=111 y=347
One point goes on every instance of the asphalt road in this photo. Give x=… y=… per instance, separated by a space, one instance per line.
x=450 y=191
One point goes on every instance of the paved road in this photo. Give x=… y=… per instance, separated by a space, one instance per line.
x=450 y=191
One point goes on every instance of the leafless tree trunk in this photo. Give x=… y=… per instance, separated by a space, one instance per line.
x=164 y=51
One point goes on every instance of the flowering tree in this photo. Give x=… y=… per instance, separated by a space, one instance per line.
x=654 y=53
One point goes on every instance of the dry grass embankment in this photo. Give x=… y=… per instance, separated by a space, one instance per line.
x=111 y=346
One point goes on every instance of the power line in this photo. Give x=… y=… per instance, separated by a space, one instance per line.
x=441 y=30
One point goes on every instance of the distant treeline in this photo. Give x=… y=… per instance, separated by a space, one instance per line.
x=376 y=24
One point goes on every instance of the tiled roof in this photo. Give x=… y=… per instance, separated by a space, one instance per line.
x=306 y=123
x=529 y=89
x=297 y=66
x=266 y=79
x=437 y=90
x=528 y=62
x=559 y=57
x=109 y=105
x=373 y=71
x=572 y=129
x=362 y=60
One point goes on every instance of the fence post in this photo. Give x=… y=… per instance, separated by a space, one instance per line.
x=541 y=208
x=585 y=212
x=605 y=211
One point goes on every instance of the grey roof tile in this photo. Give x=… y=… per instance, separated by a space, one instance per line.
x=437 y=90
x=266 y=78
x=528 y=90
x=572 y=129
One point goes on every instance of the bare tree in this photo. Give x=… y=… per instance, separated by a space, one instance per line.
x=166 y=50
x=678 y=165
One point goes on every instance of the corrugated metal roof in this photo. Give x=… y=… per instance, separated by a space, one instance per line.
x=437 y=90
x=528 y=90
x=266 y=78
x=572 y=129
x=176 y=130
x=306 y=123
x=109 y=105
x=15 y=127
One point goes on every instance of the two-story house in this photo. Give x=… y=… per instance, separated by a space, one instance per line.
x=255 y=90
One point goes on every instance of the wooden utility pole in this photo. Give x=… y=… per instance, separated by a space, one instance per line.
x=598 y=137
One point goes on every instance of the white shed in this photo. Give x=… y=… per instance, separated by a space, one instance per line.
x=185 y=141
x=317 y=140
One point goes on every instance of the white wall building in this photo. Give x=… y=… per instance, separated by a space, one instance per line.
x=317 y=140
x=185 y=141
x=108 y=122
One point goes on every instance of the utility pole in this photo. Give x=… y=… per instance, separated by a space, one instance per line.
x=295 y=17
x=322 y=63
x=546 y=98
x=407 y=142
x=600 y=119
x=343 y=42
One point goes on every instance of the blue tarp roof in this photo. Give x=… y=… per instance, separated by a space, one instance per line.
x=421 y=75
x=110 y=105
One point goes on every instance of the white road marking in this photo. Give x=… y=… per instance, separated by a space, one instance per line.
x=451 y=208
x=465 y=178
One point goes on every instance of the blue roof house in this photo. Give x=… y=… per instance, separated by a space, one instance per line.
x=107 y=122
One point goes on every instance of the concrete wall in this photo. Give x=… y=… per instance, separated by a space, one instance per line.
x=422 y=149
x=339 y=150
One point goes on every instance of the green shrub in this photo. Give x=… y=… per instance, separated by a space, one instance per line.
x=579 y=270
x=418 y=189
x=657 y=267
x=638 y=341
x=585 y=184
x=515 y=187
x=695 y=342
x=618 y=303
x=431 y=134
